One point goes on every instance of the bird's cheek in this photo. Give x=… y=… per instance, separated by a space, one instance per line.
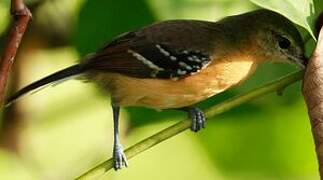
x=279 y=59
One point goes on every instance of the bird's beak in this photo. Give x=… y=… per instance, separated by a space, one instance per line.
x=301 y=61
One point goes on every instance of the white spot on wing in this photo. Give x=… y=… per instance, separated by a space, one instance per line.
x=162 y=50
x=181 y=72
x=145 y=61
x=190 y=59
x=173 y=58
x=186 y=66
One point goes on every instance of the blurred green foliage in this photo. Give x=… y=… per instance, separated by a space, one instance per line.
x=101 y=21
x=51 y=12
x=69 y=126
x=4 y=15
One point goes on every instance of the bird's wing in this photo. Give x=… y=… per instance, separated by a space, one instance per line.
x=164 y=50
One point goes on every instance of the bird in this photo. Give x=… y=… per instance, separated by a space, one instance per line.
x=175 y=64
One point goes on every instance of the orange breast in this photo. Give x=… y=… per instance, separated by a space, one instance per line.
x=163 y=94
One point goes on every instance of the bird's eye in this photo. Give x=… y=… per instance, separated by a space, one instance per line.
x=283 y=42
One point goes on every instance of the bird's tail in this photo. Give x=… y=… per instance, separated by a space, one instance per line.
x=62 y=74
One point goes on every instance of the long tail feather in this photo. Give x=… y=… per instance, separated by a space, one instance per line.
x=70 y=71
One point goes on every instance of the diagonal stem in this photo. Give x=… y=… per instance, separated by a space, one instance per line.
x=22 y=16
x=177 y=128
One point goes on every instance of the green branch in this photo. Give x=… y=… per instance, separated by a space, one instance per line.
x=171 y=131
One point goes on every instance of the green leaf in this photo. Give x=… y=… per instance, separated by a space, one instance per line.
x=301 y=12
x=198 y=9
x=4 y=15
x=100 y=21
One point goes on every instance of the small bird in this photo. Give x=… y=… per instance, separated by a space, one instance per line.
x=177 y=63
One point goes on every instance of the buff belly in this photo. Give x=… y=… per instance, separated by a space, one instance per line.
x=166 y=94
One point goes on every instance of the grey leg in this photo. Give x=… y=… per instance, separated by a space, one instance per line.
x=197 y=116
x=119 y=158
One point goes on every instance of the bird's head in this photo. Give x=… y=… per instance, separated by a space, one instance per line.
x=269 y=35
x=277 y=38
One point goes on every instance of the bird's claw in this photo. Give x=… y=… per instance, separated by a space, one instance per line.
x=119 y=158
x=198 y=119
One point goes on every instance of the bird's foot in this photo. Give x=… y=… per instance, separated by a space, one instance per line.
x=198 y=119
x=119 y=158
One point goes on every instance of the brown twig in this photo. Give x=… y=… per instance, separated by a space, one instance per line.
x=22 y=16
x=313 y=93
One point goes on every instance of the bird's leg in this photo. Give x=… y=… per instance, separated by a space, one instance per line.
x=119 y=158
x=197 y=116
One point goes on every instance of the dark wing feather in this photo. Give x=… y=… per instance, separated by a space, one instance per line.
x=176 y=63
x=143 y=54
